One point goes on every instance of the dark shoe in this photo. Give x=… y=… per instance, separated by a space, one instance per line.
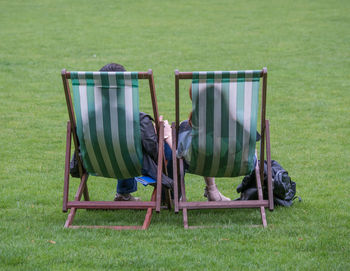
x=125 y=197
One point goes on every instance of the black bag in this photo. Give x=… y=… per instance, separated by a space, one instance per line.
x=73 y=166
x=284 y=188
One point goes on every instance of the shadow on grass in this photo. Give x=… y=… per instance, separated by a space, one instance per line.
x=109 y=217
x=224 y=218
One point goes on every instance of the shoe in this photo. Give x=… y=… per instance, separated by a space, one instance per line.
x=213 y=194
x=125 y=197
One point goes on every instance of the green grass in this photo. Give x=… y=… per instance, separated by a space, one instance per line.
x=305 y=46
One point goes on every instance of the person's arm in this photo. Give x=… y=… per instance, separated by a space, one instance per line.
x=148 y=136
x=167 y=132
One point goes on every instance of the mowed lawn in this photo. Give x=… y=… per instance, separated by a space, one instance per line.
x=305 y=47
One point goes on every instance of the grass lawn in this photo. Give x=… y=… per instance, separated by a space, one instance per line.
x=304 y=45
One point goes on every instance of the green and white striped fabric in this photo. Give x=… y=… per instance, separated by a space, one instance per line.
x=106 y=106
x=224 y=121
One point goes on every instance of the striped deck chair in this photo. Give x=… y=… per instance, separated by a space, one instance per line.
x=224 y=124
x=104 y=124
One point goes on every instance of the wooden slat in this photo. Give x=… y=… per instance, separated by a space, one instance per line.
x=66 y=167
x=108 y=227
x=224 y=204
x=188 y=75
x=70 y=218
x=149 y=213
x=263 y=217
x=183 y=193
x=175 y=170
x=140 y=75
x=77 y=198
x=177 y=104
x=262 y=125
x=152 y=90
x=111 y=204
x=260 y=195
x=269 y=173
x=160 y=165
x=185 y=218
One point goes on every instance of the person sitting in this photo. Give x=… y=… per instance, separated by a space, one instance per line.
x=149 y=141
x=211 y=192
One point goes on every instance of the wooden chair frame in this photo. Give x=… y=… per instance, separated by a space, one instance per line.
x=76 y=204
x=178 y=164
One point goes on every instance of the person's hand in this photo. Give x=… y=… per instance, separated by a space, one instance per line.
x=167 y=130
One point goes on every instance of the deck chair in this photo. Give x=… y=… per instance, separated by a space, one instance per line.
x=224 y=124
x=104 y=124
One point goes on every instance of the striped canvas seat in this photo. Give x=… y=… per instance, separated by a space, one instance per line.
x=107 y=113
x=104 y=126
x=224 y=122
x=223 y=136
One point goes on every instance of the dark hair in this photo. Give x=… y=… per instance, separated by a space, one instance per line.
x=112 y=67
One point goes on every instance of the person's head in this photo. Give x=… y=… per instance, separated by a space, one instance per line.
x=112 y=67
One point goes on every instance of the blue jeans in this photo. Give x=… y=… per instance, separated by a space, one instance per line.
x=127 y=186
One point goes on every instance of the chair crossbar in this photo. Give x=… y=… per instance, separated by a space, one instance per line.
x=111 y=204
x=224 y=205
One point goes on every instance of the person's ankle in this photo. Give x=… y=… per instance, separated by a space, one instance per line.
x=213 y=194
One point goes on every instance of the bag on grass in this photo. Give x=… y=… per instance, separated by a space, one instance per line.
x=284 y=188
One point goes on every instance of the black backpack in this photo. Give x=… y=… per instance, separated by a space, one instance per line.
x=284 y=188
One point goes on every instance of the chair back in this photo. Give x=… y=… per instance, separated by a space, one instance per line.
x=224 y=122
x=106 y=106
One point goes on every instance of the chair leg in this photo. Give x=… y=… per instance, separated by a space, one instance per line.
x=86 y=193
x=168 y=199
x=66 y=167
x=77 y=197
x=260 y=195
x=183 y=194
x=65 y=194
x=269 y=173
x=160 y=165
x=70 y=218
x=79 y=194
x=149 y=213
x=175 y=170
x=185 y=218
x=263 y=216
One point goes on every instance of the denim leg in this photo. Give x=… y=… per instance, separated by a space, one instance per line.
x=169 y=157
x=126 y=186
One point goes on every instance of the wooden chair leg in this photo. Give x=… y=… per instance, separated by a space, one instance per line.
x=185 y=218
x=70 y=218
x=175 y=170
x=77 y=197
x=183 y=194
x=260 y=195
x=269 y=173
x=66 y=167
x=263 y=216
x=79 y=194
x=86 y=193
x=168 y=199
x=149 y=213
x=160 y=165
